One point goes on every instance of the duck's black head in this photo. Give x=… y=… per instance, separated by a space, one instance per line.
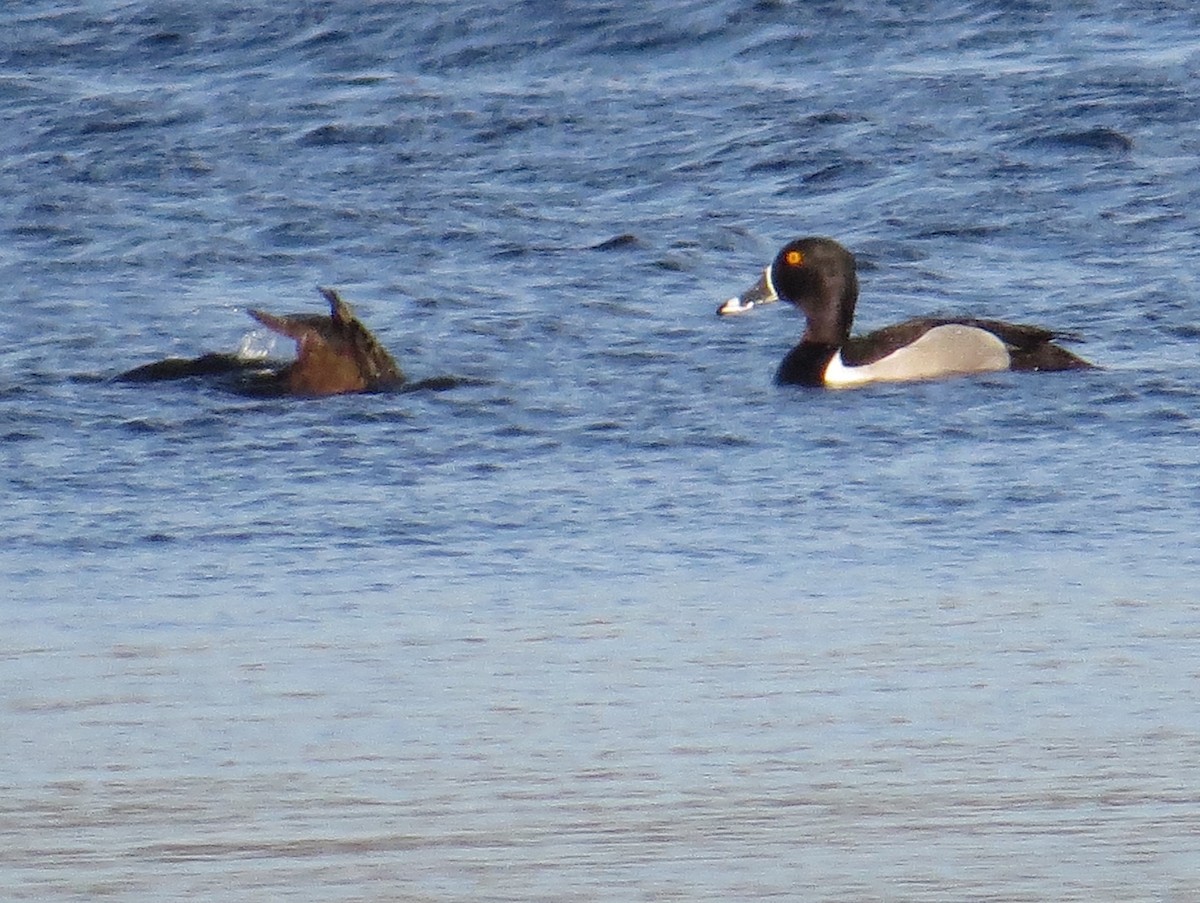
x=818 y=276
x=815 y=274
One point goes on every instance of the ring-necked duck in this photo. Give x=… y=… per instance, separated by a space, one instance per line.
x=334 y=355
x=818 y=276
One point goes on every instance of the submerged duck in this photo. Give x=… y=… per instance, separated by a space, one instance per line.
x=818 y=276
x=334 y=355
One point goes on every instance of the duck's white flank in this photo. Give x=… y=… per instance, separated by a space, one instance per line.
x=943 y=351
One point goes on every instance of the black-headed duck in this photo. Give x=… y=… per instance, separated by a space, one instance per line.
x=818 y=276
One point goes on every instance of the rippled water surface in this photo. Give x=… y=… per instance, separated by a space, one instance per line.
x=613 y=617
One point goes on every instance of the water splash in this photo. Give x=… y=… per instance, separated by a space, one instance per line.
x=257 y=345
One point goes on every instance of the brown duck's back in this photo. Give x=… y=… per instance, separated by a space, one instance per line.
x=334 y=354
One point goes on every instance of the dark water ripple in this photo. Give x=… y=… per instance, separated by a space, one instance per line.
x=607 y=615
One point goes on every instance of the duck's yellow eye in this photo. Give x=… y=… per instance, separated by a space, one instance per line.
x=793 y=258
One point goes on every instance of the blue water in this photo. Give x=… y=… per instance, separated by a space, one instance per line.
x=615 y=618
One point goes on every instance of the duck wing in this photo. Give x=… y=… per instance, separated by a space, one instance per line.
x=1029 y=347
x=1032 y=347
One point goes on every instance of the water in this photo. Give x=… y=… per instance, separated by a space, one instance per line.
x=616 y=618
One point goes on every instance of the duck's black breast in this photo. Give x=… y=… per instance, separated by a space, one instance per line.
x=805 y=365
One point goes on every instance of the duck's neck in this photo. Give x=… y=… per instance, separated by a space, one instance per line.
x=828 y=323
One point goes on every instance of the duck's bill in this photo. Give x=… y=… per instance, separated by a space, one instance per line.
x=762 y=292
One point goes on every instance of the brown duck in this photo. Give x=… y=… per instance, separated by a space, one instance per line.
x=334 y=355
